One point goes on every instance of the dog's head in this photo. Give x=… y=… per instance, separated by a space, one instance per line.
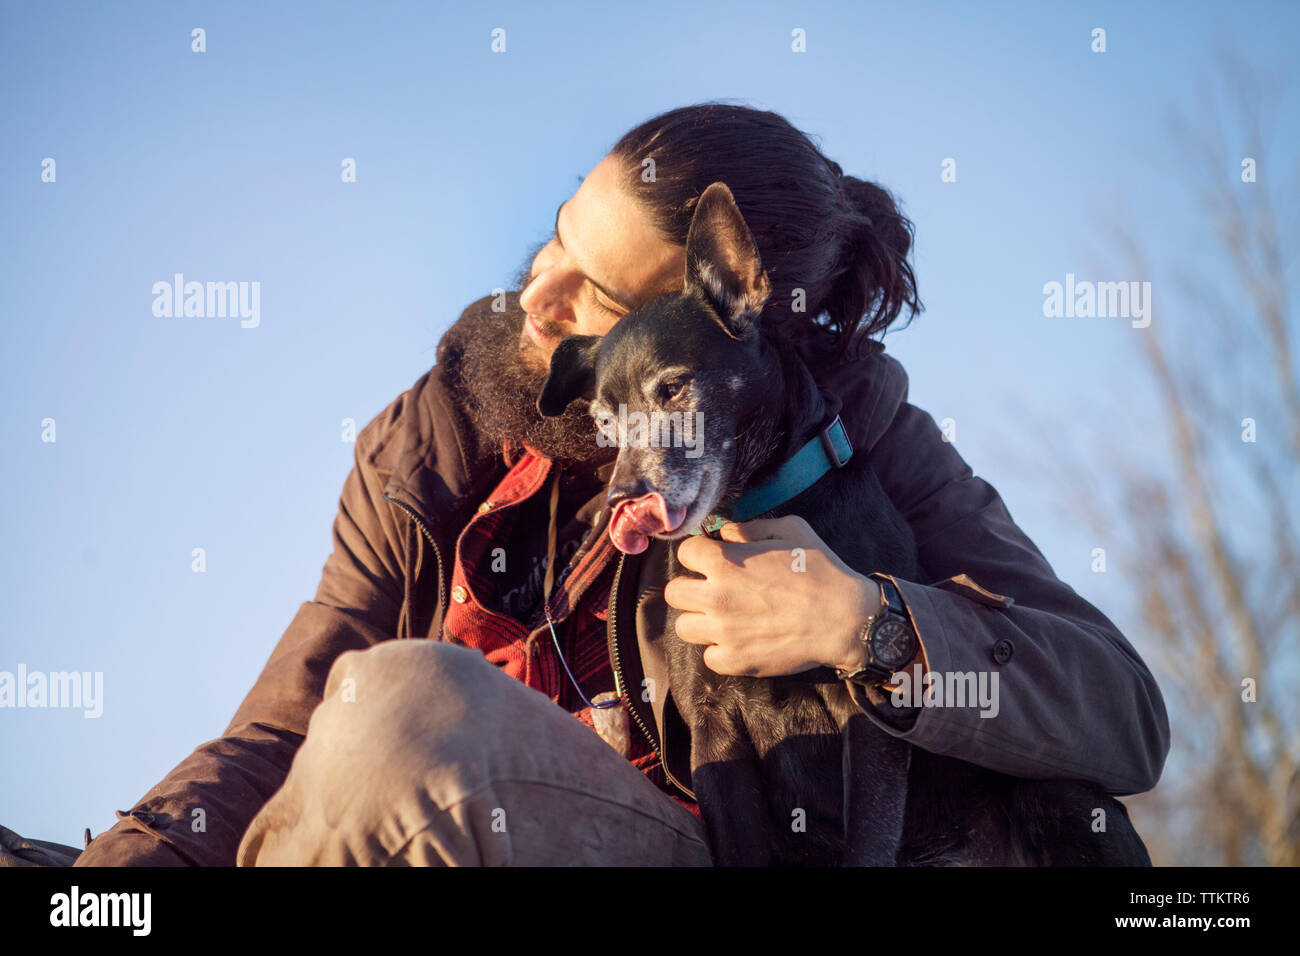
x=678 y=384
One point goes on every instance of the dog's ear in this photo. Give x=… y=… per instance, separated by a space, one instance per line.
x=572 y=376
x=722 y=261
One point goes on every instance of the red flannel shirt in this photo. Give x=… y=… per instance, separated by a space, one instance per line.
x=579 y=606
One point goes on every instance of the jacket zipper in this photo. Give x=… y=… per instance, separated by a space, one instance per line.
x=437 y=555
x=621 y=685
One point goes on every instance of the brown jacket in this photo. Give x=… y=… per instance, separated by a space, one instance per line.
x=1076 y=701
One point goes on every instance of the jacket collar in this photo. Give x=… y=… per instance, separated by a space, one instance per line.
x=871 y=389
x=434 y=457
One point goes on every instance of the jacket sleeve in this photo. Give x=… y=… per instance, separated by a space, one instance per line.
x=198 y=813
x=1074 y=700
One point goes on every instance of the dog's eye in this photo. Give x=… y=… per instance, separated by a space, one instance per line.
x=671 y=388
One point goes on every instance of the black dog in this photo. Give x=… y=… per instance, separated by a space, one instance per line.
x=705 y=407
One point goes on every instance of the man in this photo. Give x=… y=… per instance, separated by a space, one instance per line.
x=423 y=752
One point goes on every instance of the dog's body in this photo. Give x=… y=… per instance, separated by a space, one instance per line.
x=774 y=760
x=789 y=770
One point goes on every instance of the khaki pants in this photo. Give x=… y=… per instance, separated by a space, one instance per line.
x=424 y=754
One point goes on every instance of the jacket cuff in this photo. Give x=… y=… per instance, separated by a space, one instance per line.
x=128 y=843
x=891 y=706
x=967 y=636
x=876 y=700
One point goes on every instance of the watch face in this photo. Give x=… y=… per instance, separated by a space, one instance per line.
x=892 y=643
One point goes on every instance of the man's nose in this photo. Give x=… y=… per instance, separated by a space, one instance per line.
x=550 y=295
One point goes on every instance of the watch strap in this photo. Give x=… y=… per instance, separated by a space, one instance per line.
x=868 y=671
x=891 y=605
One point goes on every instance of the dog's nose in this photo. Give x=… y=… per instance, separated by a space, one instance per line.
x=628 y=489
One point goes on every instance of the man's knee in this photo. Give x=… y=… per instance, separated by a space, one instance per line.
x=394 y=704
x=419 y=740
x=393 y=663
x=382 y=680
x=385 y=744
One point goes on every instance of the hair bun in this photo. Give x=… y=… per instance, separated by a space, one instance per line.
x=834 y=248
x=875 y=277
x=877 y=211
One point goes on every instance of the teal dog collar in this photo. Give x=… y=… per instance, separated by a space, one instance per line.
x=829 y=448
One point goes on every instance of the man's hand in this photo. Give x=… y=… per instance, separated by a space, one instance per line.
x=775 y=600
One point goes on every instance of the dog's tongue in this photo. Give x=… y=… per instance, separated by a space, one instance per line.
x=634 y=520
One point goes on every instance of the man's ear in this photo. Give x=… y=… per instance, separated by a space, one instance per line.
x=722 y=261
x=573 y=374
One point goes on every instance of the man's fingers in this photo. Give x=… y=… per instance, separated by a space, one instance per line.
x=698 y=553
x=698 y=629
x=722 y=660
x=688 y=594
x=764 y=529
x=759 y=529
x=693 y=628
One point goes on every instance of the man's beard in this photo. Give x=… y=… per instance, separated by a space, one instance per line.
x=502 y=374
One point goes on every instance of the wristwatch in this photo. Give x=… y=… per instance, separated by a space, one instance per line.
x=888 y=640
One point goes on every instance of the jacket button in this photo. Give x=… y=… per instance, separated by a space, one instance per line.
x=459 y=594
x=1003 y=650
x=485 y=507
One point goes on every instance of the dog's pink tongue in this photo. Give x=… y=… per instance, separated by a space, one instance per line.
x=634 y=520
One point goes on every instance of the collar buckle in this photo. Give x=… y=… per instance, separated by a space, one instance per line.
x=835 y=441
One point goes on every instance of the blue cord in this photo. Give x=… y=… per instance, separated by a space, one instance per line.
x=546 y=597
x=573 y=680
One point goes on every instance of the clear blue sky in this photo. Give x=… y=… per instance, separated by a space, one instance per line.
x=175 y=434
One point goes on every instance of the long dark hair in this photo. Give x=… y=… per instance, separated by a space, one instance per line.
x=839 y=239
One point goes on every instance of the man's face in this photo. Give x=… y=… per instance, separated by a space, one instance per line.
x=605 y=259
